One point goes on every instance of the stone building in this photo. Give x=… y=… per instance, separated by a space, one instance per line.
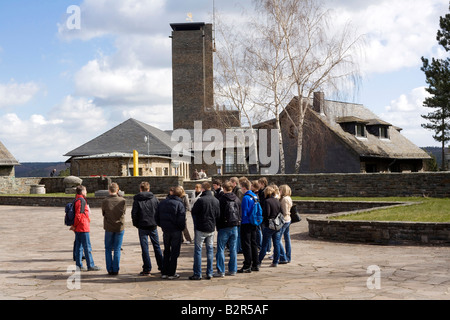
x=340 y=137
x=7 y=162
x=112 y=153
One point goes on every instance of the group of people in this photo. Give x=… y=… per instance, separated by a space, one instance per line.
x=225 y=207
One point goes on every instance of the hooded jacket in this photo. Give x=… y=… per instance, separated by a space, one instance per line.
x=144 y=209
x=171 y=214
x=205 y=212
x=224 y=202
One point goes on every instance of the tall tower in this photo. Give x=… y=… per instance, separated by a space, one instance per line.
x=192 y=72
x=192 y=78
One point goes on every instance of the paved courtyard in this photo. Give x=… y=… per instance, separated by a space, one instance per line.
x=36 y=252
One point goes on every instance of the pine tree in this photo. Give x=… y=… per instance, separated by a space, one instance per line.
x=437 y=75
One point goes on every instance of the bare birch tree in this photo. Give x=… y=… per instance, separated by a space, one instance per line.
x=318 y=58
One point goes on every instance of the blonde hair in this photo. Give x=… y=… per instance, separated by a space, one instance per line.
x=285 y=190
x=269 y=192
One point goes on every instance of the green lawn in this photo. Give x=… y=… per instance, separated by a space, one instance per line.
x=427 y=210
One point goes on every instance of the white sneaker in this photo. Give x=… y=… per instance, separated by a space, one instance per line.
x=175 y=276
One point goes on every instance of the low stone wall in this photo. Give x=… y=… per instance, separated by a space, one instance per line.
x=129 y=185
x=13 y=185
x=51 y=201
x=379 y=232
x=431 y=184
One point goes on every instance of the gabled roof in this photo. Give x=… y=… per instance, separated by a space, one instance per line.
x=126 y=137
x=6 y=158
x=396 y=147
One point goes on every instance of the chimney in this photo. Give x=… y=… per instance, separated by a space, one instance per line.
x=319 y=102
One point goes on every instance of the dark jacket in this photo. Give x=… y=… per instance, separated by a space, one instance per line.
x=205 y=212
x=225 y=201
x=113 y=210
x=171 y=214
x=271 y=209
x=144 y=209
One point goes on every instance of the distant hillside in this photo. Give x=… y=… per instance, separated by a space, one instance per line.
x=39 y=169
x=436 y=152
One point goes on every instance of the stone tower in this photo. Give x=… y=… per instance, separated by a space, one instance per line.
x=192 y=78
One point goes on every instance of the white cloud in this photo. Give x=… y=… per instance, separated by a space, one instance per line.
x=397 y=33
x=405 y=112
x=15 y=94
x=47 y=137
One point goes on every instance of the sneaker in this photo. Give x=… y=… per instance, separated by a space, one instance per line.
x=94 y=268
x=164 y=276
x=175 y=276
x=255 y=268
x=243 y=270
x=274 y=265
x=218 y=275
x=231 y=274
x=194 y=277
x=283 y=262
x=208 y=277
x=144 y=273
x=82 y=268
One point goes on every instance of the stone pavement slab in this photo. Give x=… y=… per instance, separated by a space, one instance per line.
x=36 y=252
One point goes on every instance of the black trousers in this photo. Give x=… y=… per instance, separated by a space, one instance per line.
x=249 y=246
x=172 y=246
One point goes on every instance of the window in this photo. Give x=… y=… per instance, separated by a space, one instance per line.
x=360 y=130
x=384 y=133
x=233 y=162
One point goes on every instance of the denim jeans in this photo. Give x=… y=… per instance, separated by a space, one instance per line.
x=208 y=238
x=143 y=240
x=83 y=242
x=284 y=233
x=113 y=242
x=275 y=236
x=223 y=236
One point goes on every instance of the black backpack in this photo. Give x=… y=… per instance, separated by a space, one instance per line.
x=232 y=214
x=69 y=218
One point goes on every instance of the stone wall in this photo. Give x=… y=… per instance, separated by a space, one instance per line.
x=431 y=184
x=13 y=185
x=130 y=185
x=380 y=232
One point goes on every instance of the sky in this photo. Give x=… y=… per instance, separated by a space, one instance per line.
x=69 y=75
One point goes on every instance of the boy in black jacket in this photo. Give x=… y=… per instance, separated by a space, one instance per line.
x=171 y=217
x=205 y=212
x=227 y=230
x=145 y=206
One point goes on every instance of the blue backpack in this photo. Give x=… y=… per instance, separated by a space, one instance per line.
x=69 y=218
x=255 y=216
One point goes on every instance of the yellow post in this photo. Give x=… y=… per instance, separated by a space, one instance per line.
x=135 y=163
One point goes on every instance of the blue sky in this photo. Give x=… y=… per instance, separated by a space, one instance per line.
x=60 y=88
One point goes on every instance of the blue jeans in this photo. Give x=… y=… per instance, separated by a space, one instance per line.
x=208 y=238
x=225 y=235
x=113 y=242
x=284 y=232
x=143 y=240
x=83 y=242
x=275 y=236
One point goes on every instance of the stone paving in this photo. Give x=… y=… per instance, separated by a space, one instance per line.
x=36 y=252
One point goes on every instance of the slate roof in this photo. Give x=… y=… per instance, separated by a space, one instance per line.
x=126 y=137
x=6 y=158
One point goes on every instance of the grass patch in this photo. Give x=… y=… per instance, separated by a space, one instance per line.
x=429 y=210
